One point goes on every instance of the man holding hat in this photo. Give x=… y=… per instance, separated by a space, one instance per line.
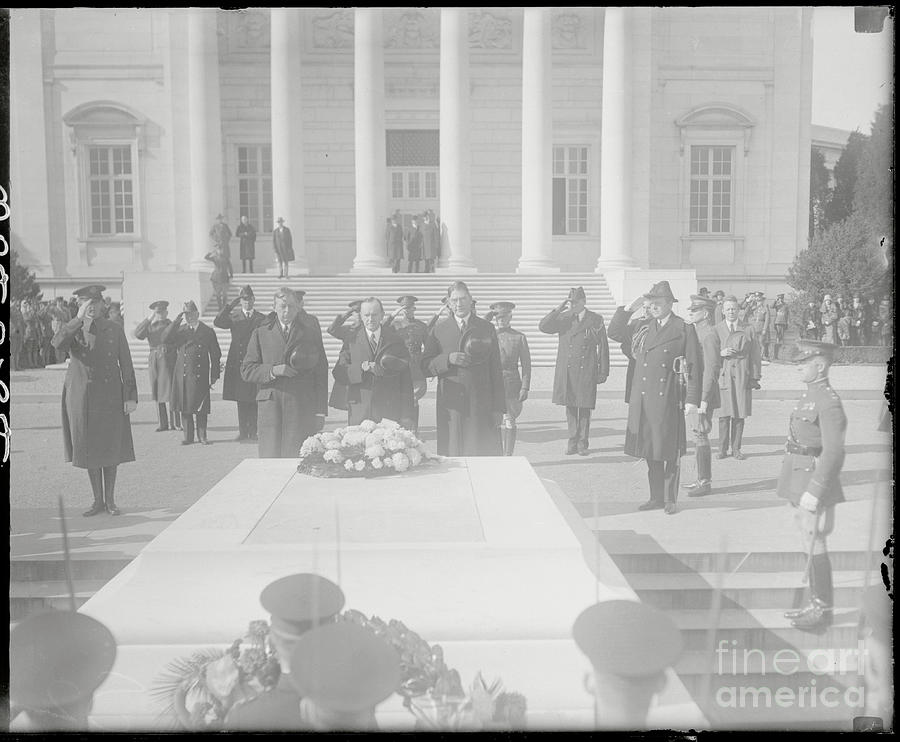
x=342 y=327
x=196 y=369
x=99 y=394
x=57 y=660
x=810 y=475
x=667 y=382
x=283 y=245
x=582 y=362
x=780 y=316
x=630 y=646
x=242 y=322
x=161 y=361
x=413 y=332
x=515 y=361
x=221 y=236
x=374 y=366
x=286 y=359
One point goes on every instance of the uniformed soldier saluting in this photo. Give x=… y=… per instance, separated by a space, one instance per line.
x=161 y=362
x=515 y=361
x=413 y=332
x=57 y=660
x=810 y=475
x=341 y=328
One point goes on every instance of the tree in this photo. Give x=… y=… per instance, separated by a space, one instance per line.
x=819 y=192
x=840 y=206
x=22 y=282
x=874 y=196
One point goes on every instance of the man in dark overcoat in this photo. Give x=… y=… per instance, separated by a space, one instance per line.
x=246 y=233
x=413 y=331
x=393 y=238
x=431 y=241
x=160 y=362
x=196 y=369
x=622 y=328
x=738 y=377
x=582 y=362
x=515 y=360
x=283 y=244
x=286 y=359
x=656 y=425
x=99 y=395
x=462 y=351
x=342 y=327
x=242 y=322
x=374 y=366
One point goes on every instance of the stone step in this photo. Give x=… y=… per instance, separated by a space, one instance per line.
x=51 y=570
x=638 y=561
x=26 y=598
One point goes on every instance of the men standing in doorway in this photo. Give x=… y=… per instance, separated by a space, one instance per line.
x=246 y=233
x=161 y=362
x=283 y=245
x=431 y=241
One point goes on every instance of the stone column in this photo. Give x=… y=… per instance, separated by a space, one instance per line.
x=537 y=144
x=368 y=125
x=205 y=130
x=287 y=129
x=615 y=143
x=455 y=164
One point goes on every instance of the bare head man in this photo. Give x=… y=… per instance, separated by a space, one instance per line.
x=460 y=299
x=287 y=305
x=730 y=308
x=371 y=311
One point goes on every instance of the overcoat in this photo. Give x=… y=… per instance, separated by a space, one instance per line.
x=283 y=244
x=221 y=235
x=431 y=240
x=287 y=407
x=711 y=346
x=234 y=387
x=161 y=361
x=413 y=333
x=470 y=400
x=100 y=378
x=246 y=233
x=515 y=362
x=738 y=371
x=393 y=238
x=582 y=357
x=656 y=426
x=375 y=395
x=414 y=243
x=829 y=319
x=337 y=329
x=621 y=329
x=196 y=365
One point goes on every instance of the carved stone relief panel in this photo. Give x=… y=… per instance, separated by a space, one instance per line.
x=244 y=31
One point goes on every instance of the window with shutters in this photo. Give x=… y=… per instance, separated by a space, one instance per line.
x=570 y=189
x=254 y=170
x=412 y=162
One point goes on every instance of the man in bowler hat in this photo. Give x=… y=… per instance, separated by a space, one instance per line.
x=161 y=362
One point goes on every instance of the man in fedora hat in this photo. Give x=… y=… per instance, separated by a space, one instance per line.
x=286 y=359
x=662 y=389
x=413 y=332
x=582 y=362
x=810 y=475
x=374 y=366
x=241 y=322
x=283 y=245
x=246 y=233
x=99 y=395
x=221 y=236
x=161 y=361
x=462 y=351
x=196 y=369
x=515 y=360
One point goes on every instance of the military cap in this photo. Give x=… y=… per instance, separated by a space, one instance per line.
x=247 y=292
x=503 y=306
x=704 y=292
x=660 y=290
x=280 y=220
x=407 y=300
x=827 y=297
x=299 y=293
x=701 y=302
x=389 y=361
x=577 y=293
x=161 y=304
x=220 y=216
x=779 y=296
x=806 y=349
x=92 y=292
x=355 y=304
x=189 y=306
x=295 y=601
x=57 y=658
x=876 y=610
x=344 y=667
x=627 y=638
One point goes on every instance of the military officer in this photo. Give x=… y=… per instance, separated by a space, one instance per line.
x=413 y=332
x=760 y=320
x=700 y=419
x=620 y=329
x=161 y=361
x=582 y=362
x=99 y=395
x=297 y=603
x=780 y=316
x=630 y=646
x=196 y=369
x=57 y=660
x=242 y=323
x=810 y=475
x=515 y=361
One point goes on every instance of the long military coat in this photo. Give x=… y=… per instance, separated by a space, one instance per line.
x=468 y=399
x=431 y=240
x=246 y=233
x=196 y=365
x=413 y=333
x=283 y=244
x=393 y=238
x=161 y=361
x=621 y=329
x=711 y=346
x=738 y=371
x=515 y=362
x=221 y=235
x=287 y=407
x=375 y=395
x=233 y=385
x=100 y=378
x=656 y=426
x=582 y=357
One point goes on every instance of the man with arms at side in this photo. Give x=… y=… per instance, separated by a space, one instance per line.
x=413 y=332
x=515 y=360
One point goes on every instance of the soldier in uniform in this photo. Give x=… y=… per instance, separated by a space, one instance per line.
x=810 y=475
x=283 y=244
x=621 y=329
x=297 y=603
x=413 y=332
x=582 y=362
x=656 y=424
x=780 y=317
x=242 y=323
x=341 y=328
x=99 y=395
x=700 y=418
x=196 y=369
x=515 y=360
x=57 y=661
x=160 y=362
x=221 y=236
x=630 y=646
x=286 y=359
x=759 y=320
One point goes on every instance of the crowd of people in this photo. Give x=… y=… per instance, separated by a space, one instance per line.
x=420 y=242
x=844 y=321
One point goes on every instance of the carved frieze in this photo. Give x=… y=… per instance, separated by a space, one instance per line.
x=569 y=30
x=412 y=29
x=244 y=31
x=333 y=31
x=488 y=30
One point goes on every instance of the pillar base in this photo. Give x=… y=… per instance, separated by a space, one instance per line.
x=614 y=263
x=537 y=265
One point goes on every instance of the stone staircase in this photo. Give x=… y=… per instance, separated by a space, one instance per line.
x=327 y=296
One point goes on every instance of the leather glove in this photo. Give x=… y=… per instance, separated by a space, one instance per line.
x=809 y=501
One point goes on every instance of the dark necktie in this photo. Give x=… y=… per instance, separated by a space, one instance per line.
x=284 y=331
x=373 y=344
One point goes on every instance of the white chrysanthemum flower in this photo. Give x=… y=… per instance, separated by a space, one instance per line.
x=389 y=424
x=332 y=445
x=377 y=463
x=348 y=465
x=388 y=462
x=367 y=425
x=374 y=452
x=360 y=465
x=415 y=458
x=401 y=463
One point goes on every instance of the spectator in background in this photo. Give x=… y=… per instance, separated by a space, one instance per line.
x=858 y=322
x=115 y=314
x=246 y=233
x=844 y=328
x=873 y=325
x=107 y=301
x=48 y=354
x=809 y=322
x=73 y=307
x=885 y=317
x=16 y=335
x=718 y=315
x=760 y=320
x=431 y=241
x=282 y=243
x=829 y=320
x=221 y=236
x=780 y=318
x=31 y=337
x=393 y=238
x=414 y=245
x=220 y=276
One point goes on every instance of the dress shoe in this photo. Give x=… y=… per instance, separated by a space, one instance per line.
x=699 y=488
x=670 y=508
x=187 y=443
x=739 y=456
x=113 y=510
x=582 y=451
x=205 y=442
x=571 y=449
x=96 y=509
x=722 y=455
x=160 y=430
x=652 y=505
x=240 y=437
x=794 y=612
x=816 y=617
